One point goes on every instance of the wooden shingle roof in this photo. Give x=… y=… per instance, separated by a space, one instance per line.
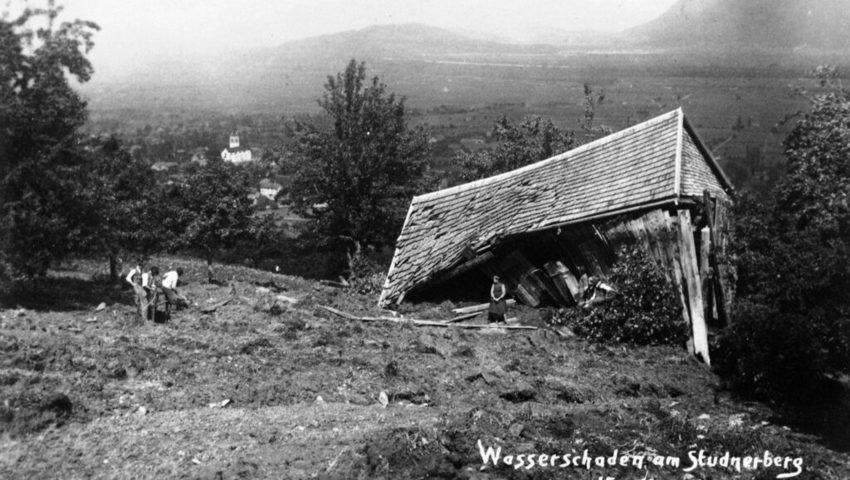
x=655 y=162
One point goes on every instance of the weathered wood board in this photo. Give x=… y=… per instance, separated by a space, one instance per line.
x=690 y=272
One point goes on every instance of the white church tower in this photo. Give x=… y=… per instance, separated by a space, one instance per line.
x=234 y=153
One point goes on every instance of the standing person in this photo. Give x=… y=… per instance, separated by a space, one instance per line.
x=134 y=278
x=142 y=283
x=498 y=305
x=149 y=280
x=169 y=288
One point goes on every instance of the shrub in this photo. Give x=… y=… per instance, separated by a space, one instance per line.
x=645 y=310
x=791 y=330
x=366 y=276
x=772 y=355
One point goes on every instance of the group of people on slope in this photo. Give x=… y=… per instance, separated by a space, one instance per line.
x=148 y=286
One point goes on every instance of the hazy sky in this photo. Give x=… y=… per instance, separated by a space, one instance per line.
x=133 y=30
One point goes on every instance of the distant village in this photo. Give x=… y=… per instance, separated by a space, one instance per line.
x=269 y=193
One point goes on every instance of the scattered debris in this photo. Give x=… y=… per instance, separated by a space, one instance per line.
x=424 y=323
x=271 y=286
x=463 y=317
x=101 y=306
x=518 y=392
x=220 y=404
x=215 y=306
x=330 y=283
x=335 y=460
x=737 y=420
x=565 y=332
x=284 y=298
x=383 y=399
x=480 y=307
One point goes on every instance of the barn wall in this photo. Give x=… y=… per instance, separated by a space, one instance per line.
x=541 y=268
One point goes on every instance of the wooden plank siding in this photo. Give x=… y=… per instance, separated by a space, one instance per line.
x=691 y=281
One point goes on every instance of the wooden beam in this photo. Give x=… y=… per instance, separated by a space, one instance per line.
x=465 y=316
x=716 y=277
x=516 y=270
x=690 y=272
x=479 y=308
x=464 y=267
x=422 y=323
x=671 y=250
x=564 y=281
x=705 y=273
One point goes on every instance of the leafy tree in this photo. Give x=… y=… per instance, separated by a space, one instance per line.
x=794 y=267
x=532 y=140
x=211 y=211
x=123 y=197
x=590 y=104
x=39 y=117
x=363 y=167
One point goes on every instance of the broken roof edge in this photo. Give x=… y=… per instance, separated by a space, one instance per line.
x=677 y=168
x=561 y=156
x=672 y=201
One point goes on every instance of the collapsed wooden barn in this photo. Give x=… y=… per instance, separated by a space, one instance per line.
x=543 y=226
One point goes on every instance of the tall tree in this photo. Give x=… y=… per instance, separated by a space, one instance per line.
x=531 y=140
x=40 y=164
x=364 y=168
x=211 y=211
x=792 y=322
x=122 y=197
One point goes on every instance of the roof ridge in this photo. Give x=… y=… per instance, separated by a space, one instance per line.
x=533 y=166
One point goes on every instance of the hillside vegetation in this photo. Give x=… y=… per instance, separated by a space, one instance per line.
x=265 y=389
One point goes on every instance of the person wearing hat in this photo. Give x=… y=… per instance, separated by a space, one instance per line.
x=498 y=304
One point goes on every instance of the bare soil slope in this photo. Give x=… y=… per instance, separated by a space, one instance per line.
x=266 y=389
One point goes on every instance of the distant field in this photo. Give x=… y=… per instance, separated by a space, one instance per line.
x=736 y=108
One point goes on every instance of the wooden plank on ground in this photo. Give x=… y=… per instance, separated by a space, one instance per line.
x=479 y=308
x=465 y=316
x=422 y=323
x=215 y=306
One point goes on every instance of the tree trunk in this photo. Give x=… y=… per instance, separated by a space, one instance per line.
x=352 y=259
x=209 y=267
x=113 y=268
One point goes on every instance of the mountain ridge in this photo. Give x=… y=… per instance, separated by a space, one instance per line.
x=777 y=25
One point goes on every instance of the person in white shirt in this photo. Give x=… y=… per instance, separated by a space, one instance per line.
x=142 y=283
x=169 y=288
